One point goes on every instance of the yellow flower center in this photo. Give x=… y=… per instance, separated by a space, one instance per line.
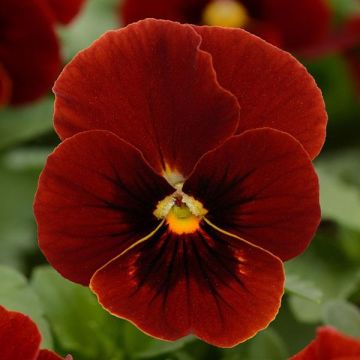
x=227 y=13
x=181 y=212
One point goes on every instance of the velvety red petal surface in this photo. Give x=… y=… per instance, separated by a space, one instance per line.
x=185 y=11
x=64 y=10
x=218 y=287
x=260 y=186
x=19 y=336
x=95 y=198
x=302 y=23
x=5 y=86
x=29 y=48
x=273 y=88
x=151 y=85
x=330 y=344
x=48 y=355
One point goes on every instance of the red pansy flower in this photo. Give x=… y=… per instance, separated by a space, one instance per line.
x=20 y=338
x=29 y=50
x=64 y=10
x=174 y=205
x=330 y=345
x=292 y=25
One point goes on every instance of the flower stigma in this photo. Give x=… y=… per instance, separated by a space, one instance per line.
x=227 y=13
x=181 y=212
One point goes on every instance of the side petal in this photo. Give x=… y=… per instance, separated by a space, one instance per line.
x=29 y=49
x=64 y=10
x=151 y=85
x=273 y=88
x=95 y=198
x=5 y=87
x=262 y=187
x=330 y=344
x=216 y=286
x=48 y=355
x=19 y=336
x=302 y=23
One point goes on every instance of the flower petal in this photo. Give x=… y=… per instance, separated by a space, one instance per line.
x=19 y=336
x=64 y=10
x=95 y=198
x=273 y=89
x=260 y=186
x=330 y=344
x=29 y=48
x=48 y=355
x=185 y=11
x=302 y=23
x=5 y=86
x=218 y=287
x=151 y=85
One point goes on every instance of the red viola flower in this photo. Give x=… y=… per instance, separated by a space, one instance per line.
x=176 y=207
x=20 y=338
x=64 y=10
x=29 y=50
x=330 y=345
x=291 y=25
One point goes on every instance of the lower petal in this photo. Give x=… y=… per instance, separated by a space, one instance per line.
x=214 y=285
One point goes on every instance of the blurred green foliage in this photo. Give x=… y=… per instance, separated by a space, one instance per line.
x=323 y=285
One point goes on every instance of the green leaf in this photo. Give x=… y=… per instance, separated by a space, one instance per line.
x=339 y=201
x=95 y=19
x=141 y=346
x=335 y=282
x=344 y=316
x=345 y=8
x=17 y=295
x=267 y=345
x=303 y=288
x=24 y=159
x=18 y=124
x=81 y=326
x=17 y=225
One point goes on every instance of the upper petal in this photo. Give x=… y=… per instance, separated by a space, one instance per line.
x=95 y=198
x=29 y=49
x=64 y=10
x=262 y=187
x=273 y=88
x=151 y=85
x=330 y=344
x=19 y=336
x=218 y=287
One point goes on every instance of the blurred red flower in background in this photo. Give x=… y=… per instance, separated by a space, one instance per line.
x=175 y=210
x=330 y=344
x=64 y=11
x=20 y=338
x=291 y=25
x=29 y=49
